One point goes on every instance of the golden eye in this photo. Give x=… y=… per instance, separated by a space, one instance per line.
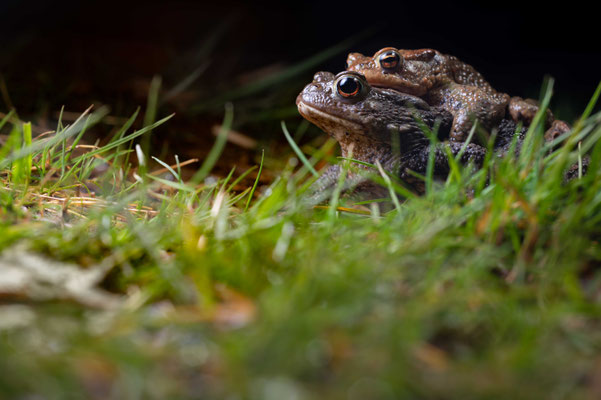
x=390 y=60
x=349 y=86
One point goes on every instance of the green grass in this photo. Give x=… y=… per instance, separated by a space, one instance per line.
x=191 y=290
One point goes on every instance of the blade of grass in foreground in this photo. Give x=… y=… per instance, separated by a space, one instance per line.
x=531 y=140
x=4 y=120
x=151 y=110
x=319 y=155
x=591 y=104
x=22 y=166
x=298 y=151
x=337 y=191
x=393 y=196
x=240 y=178
x=431 y=134
x=252 y=191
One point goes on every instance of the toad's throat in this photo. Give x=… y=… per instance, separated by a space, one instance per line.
x=327 y=121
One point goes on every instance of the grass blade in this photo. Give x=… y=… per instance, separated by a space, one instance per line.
x=252 y=191
x=298 y=151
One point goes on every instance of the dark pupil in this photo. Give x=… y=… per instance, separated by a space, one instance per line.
x=389 y=60
x=348 y=86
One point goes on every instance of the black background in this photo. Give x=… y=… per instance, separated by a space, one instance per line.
x=86 y=48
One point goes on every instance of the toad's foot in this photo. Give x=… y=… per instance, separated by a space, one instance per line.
x=524 y=110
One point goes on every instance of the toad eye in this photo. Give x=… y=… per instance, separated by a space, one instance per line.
x=390 y=60
x=348 y=86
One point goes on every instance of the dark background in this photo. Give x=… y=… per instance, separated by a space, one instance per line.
x=74 y=53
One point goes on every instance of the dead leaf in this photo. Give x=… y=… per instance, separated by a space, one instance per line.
x=25 y=275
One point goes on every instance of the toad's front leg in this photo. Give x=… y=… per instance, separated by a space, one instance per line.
x=468 y=104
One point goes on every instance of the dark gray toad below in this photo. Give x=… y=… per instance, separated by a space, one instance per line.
x=373 y=124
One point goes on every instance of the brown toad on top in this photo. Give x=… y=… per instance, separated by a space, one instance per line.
x=445 y=81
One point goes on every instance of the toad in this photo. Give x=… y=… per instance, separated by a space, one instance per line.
x=445 y=81
x=375 y=124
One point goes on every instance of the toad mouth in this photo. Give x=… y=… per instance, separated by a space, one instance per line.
x=317 y=116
